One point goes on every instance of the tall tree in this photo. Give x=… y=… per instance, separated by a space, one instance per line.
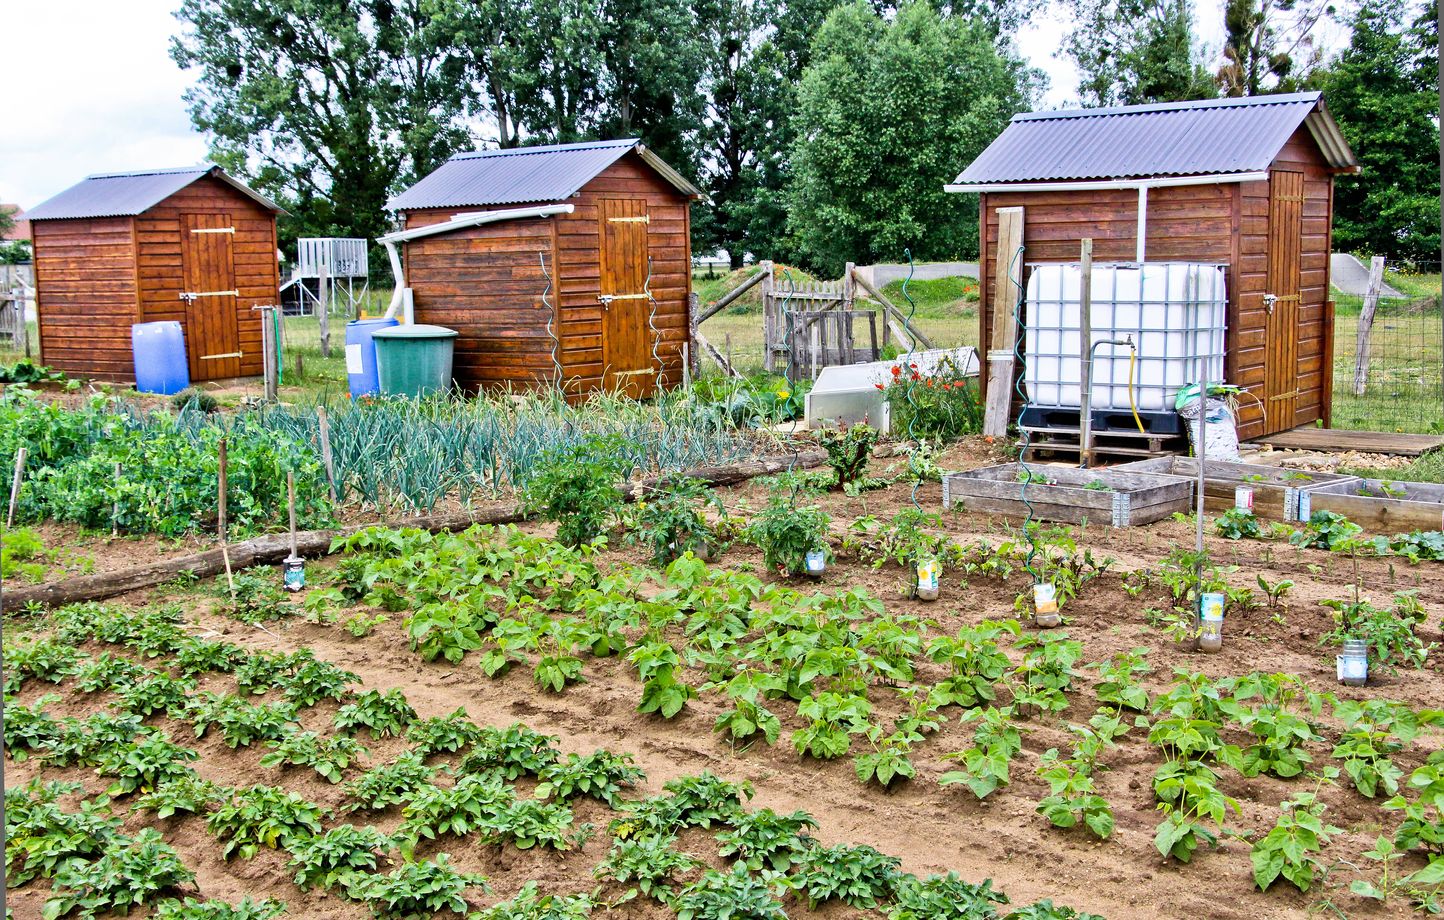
x=1269 y=45
x=1131 y=52
x=888 y=111
x=1381 y=90
x=328 y=105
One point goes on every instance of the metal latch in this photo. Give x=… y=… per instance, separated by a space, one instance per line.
x=191 y=296
x=230 y=354
x=644 y=219
x=214 y=230
x=1269 y=301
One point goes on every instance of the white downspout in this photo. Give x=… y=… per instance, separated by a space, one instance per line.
x=458 y=222
x=1141 y=245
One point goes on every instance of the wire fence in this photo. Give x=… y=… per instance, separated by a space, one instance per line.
x=1395 y=382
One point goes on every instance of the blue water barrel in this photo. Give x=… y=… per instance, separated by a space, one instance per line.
x=160 y=357
x=361 y=355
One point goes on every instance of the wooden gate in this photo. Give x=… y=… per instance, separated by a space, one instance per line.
x=824 y=338
x=626 y=332
x=211 y=326
x=1281 y=357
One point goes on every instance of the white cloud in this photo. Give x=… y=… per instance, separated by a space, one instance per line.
x=90 y=87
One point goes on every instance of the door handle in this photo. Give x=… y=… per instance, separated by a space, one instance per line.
x=606 y=300
x=1269 y=301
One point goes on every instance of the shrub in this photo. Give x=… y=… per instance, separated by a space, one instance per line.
x=848 y=450
x=786 y=534
x=576 y=487
x=669 y=520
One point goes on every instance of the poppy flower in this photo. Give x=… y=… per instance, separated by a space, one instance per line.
x=930 y=383
x=896 y=371
x=878 y=385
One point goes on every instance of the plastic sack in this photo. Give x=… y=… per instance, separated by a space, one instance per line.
x=1220 y=428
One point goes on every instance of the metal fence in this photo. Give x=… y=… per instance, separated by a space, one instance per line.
x=1389 y=349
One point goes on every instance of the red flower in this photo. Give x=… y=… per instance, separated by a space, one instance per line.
x=878 y=385
x=913 y=366
x=896 y=370
x=930 y=383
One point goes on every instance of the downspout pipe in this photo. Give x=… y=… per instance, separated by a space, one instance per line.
x=457 y=222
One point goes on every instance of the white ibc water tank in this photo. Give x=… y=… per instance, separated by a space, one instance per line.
x=1175 y=312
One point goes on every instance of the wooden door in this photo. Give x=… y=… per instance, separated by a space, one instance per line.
x=626 y=332
x=1281 y=301
x=213 y=341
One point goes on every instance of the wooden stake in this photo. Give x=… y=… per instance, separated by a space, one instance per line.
x=324 y=436
x=1366 y=324
x=291 y=507
x=300 y=368
x=323 y=311
x=1007 y=288
x=221 y=522
x=115 y=505
x=1085 y=347
x=15 y=486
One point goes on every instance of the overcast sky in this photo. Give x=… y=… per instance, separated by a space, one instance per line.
x=90 y=87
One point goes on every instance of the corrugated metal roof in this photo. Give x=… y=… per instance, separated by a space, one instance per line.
x=130 y=193
x=523 y=175
x=1205 y=137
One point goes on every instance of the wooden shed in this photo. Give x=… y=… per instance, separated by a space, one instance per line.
x=191 y=244
x=1247 y=182
x=564 y=264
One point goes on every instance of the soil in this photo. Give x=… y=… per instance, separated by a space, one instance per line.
x=932 y=828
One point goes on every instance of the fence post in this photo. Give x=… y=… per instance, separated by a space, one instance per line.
x=1366 y=324
x=690 y=356
x=770 y=320
x=323 y=311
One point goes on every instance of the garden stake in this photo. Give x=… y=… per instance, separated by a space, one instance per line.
x=221 y=505
x=324 y=436
x=115 y=505
x=15 y=487
x=294 y=576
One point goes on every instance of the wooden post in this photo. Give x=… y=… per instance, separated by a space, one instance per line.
x=291 y=507
x=269 y=358
x=727 y=344
x=323 y=311
x=691 y=361
x=300 y=368
x=849 y=289
x=771 y=321
x=115 y=504
x=1007 y=286
x=1366 y=324
x=324 y=436
x=15 y=486
x=221 y=520
x=1085 y=348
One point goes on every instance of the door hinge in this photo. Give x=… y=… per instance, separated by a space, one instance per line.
x=644 y=219
x=214 y=230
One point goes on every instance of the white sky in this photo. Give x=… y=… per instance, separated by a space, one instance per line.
x=90 y=87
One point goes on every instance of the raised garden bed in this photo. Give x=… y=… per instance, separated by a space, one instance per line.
x=1120 y=497
x=1380 y=504
x=1276 y=490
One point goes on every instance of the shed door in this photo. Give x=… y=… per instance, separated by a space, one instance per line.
x=626 y=332
x=211 y=326
x=1281 y=359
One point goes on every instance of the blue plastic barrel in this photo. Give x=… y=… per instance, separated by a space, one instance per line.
x=361 y=355
x=160 y=357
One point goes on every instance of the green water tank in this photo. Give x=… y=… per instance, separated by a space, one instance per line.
x=414 y=360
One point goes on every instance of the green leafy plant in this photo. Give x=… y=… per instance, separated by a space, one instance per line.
x=510 y=752
x=313 y=681
x=943 y=404
x=786 y=534
x=1373 y=730
x=262 y=816
x=390 y=784
x=985 y=764
x=1072 y=797
x=859 y=876
x=1282 y=723
x=1289 y=848
x=328 y=860
x=848 y=449
x=1237 y=524
x=1422 y=826
x=255 y=597
x=383 y=714
x=241 y=723
x=832 y=720
x=766 y=839
x=1389 y=632
x=1118 y=679
x=748 y=716
x=327 y=756
x=471 y=804
x=361 y=625
x=530 y=904
x=1327 y=530
x=416 y=890
x=601 y=775
x=129 y=873
x=196 y=909
x=669 y=520
x=944 y=897
x=40 y=836
x=443 y=734
x=657 y=664
x=576 y=487
x=187 y=794
x=439 y=630
x=145 y=763
x=649 y=862
x=732 y=895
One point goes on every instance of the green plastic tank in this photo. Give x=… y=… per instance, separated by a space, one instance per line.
x=414 y=360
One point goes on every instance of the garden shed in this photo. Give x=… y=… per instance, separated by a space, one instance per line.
x=1243 y=182
x=191 y=245
x=562 y=264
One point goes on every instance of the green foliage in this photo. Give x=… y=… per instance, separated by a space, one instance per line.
x=443 y=734
x=863 y=187
x=945 y=897
x=195 y=909
x=732 y=895
x=648 y=862
x=383 y=714
x=1045 y=910
x=669 y=520
x=315 y=680
x=390 y=784
x=1132 y=52
x=601 y=775
x=511 y=752
x=657 y=663
x=29 y=728
x=576 y=488
x=1072 y=797
x=943 y=404
x=1389 y=632
x=144 y=764
x=1422 y=826
x=985 y=764
x=701 y=800
x=327 y=756
x=262 y=816
x=1289 y=848
x=848 y=450
x=41 y=837
x=1238 y=523
x=748 y=716
x=328 y=860
x=786 y=534
x=186 y=794
x=766 y=839
x=415 y=890
x=1327 y=530
x=832 y=720
x=529 y=904
x=257 y=597
x=241 y=723
x=131 y=872
x=1281 y=725
x=447 y=631
x=859 y=876
x=1373 y=730
x=1118 y=679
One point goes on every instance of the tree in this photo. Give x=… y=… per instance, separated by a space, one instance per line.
x=1269 y=45
x=327 y=105
x=1381 y=90
x=888 y=111
x=1131 y=52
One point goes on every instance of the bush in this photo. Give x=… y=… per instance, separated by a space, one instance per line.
x=669 y=521
x=576 y=487
x=943 y=404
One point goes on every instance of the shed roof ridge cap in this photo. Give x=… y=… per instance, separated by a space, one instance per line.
x=198 y=169
x=545 y=148
x=1311 y=96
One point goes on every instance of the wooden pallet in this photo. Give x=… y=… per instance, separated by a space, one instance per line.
x=1131 y=444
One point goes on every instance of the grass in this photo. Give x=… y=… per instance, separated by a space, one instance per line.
x=1405 y=386
x=1428 y=468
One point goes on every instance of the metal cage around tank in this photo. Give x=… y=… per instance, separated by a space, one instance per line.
x=1173 y=312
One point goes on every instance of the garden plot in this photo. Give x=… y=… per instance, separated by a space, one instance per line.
x=1056 y=493
x=1382 y=505
x=946 y=736
x=1276 y=490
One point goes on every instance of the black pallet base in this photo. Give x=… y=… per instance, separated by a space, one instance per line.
x=1156 y=424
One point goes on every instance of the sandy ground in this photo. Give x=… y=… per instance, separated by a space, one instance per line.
x=930 y=827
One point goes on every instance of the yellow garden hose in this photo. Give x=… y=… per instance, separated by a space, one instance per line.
x=1132 y=402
